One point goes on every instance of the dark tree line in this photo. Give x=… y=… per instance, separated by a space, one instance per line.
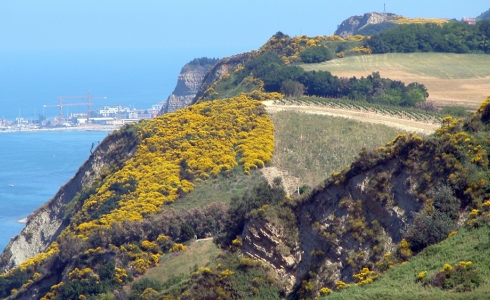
x=452 y=37
x=278 y=77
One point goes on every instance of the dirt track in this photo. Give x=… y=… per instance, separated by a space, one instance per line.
x=371 y=117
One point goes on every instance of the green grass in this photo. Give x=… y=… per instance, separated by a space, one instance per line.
x=311 y=147
x=389 y=110
x=400 y=281
x=439 y=65
x=183 y=263
x=219 y=189
x=451 y=79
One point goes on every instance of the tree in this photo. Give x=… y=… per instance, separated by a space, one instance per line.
x=292 y=88
x=315 y=55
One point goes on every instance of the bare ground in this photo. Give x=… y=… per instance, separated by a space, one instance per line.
x=371 y=117
x=289 y=182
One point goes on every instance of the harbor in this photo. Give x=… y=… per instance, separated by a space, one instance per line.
x=107 y=118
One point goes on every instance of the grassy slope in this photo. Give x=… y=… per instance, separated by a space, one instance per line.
x=311 y=147
x=399 y=282
x=329 y=144
x=198 y=253
x=450 y=78
x=220 y=189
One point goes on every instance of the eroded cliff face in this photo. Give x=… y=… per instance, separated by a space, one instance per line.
x=329 y=240
x=188 y=84
x=355 y=23
x=46 y=223
x=221 y=68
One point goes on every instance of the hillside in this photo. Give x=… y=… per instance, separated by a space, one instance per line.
x=484 y=15
x=373 y=22
x=451 y=79
x=301 y=204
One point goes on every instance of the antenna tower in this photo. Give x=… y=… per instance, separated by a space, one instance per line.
x=384 y=8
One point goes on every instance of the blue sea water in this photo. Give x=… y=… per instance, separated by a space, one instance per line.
x=33 y=166
x=31 y=79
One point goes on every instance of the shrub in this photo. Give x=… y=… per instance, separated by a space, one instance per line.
x=428 y=228
x=315 y=54
x=462 y=277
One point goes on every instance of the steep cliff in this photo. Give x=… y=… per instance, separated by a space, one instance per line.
x=188 y=83
x=46 y=223
x=354 y=24
x=325 y=224
x=391 y=200
x=221 y=68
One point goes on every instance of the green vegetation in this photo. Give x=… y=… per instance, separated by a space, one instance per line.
x=453 y=37
x=271 y=73
x=417 y=279
x=227 y=274
x=119 y=219
x=436 y=65
x=451 y=79
x=455 y=111
x=484 y=16
x=311 y=147
x=220 y=189
x=198 y=254
x=316 y=54
x=419 y=114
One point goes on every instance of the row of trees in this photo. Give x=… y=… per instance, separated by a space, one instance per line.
x=294 y=81
x=453 y=37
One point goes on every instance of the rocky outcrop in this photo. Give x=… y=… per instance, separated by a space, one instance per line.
x=331 y=210
x=46 y=223
x=354 y=24
x=188 y=83
x=221 y=68
x=263 y=241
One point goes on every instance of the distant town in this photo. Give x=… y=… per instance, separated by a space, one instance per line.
x=107 y=117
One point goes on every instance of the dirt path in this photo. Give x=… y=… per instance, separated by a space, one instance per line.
x=371 y=117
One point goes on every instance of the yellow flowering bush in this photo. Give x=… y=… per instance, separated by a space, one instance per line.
x=288 y=48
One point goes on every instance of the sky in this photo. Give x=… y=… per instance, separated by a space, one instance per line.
x=133 y=51
x=214 y=27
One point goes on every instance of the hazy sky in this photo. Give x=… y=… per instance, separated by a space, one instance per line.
x=217 y=27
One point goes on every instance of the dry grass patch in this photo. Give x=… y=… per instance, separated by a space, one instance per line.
x=452 y=79
x=311 y=147
x=182 y=263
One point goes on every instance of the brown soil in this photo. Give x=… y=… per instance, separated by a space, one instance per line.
x=289 y=182
x=371 y=117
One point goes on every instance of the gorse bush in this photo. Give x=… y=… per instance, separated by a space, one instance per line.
x=205 y=140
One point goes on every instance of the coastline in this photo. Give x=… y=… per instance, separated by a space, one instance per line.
x=74 y=128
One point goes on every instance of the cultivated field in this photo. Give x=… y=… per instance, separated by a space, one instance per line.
x=451 y=79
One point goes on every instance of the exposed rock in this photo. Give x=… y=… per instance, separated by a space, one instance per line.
x=221 y=68
x=263 y=241
x=355 y=23
x=323 y=209
x=188 y=83
x=46 y=223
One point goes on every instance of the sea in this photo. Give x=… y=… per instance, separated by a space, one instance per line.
x=33 y=165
